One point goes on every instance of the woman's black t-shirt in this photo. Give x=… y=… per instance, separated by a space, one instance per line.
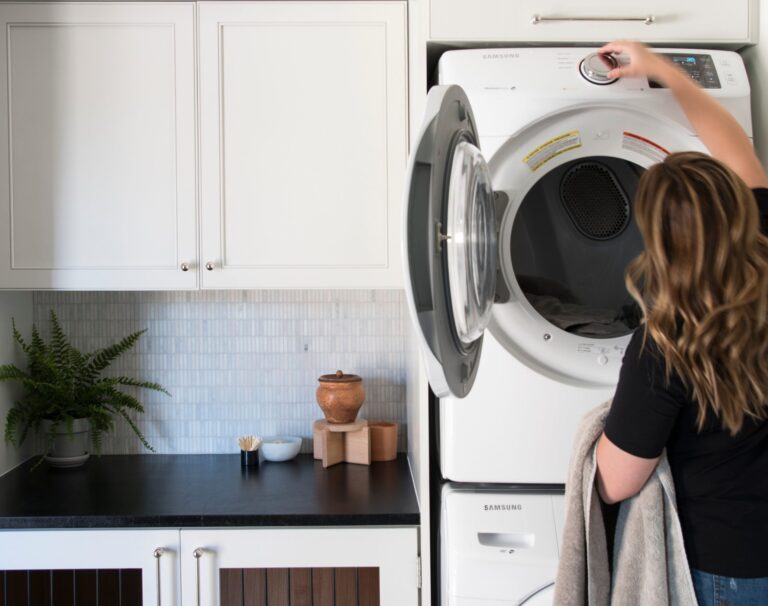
x=721 y=480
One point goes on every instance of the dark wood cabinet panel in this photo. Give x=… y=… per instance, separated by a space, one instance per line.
x=16 y=587
x=254 y=587
x=346 y=586
x=63 y=587
x=110 y=587
x=299 y=586
x=231 y=580
x=368 y=586
x=278 y=587
x=86 y=588
x=130 y=588
x=39 y=588
x=322 y=587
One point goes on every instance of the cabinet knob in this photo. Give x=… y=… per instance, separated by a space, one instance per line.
x=209 y=266
x=185 y=266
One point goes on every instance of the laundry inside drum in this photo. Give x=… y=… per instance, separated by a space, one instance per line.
x=572 y=239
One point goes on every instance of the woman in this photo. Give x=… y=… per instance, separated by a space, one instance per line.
x=695 y=377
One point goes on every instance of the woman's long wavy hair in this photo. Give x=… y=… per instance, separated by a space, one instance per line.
x=702 y=283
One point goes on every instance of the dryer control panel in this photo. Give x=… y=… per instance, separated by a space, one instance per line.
x=701 y=69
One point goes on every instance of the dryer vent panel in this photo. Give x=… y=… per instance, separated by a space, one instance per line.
x=595 y=201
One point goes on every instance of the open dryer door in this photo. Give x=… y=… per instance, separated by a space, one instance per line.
x=450 y=242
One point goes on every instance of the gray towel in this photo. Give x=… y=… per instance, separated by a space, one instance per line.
x=649 y=561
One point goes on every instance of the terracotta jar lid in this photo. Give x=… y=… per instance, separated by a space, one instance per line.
x=340 y=377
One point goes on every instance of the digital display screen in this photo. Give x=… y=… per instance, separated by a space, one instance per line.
x=700 y=68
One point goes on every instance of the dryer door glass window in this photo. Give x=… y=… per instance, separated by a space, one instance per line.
x=470 y=242
x=572 y=238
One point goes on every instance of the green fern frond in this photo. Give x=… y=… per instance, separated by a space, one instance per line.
x=136 y=383
x=136 y=430
x=12 y=421
x=9 y=372
x=104 y=357
x=18 y=338
x=60 y=346
x=38 y=345
x=118 y=399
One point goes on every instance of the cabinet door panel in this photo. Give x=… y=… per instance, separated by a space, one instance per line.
x=98 y=166
x=287 y=563
x=90 y=567
x=63 y=587
x=303 y=141
x=682 y=21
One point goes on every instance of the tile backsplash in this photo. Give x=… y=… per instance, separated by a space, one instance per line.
x=240 y=362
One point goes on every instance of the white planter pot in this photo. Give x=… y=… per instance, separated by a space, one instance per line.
x=67 y=449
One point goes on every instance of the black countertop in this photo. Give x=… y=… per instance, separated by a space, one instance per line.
x=115 y=491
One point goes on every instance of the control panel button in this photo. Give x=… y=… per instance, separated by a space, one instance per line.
x=602 y=360
x=595 y=67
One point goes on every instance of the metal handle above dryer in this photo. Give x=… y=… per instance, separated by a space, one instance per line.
x=537 y=19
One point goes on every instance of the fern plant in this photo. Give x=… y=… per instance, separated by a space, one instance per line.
x=62 y=384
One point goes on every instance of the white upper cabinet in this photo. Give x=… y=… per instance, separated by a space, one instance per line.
x=97 y=146
x=679 y=21
x=303 y=143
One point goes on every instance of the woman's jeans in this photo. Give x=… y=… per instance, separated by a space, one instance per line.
x=714 y=590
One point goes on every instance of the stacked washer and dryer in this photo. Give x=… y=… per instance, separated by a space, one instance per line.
x=519 y=226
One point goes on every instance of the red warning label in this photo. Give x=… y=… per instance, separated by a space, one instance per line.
x=643 y=146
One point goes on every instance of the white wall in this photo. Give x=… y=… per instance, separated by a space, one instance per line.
x=16 y=305
x=756 y=59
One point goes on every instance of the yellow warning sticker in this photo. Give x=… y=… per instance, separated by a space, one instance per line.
x=554 y=147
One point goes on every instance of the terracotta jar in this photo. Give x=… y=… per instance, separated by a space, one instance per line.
x=340 y=396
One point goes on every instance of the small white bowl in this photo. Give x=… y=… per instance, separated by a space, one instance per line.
x=280 y=448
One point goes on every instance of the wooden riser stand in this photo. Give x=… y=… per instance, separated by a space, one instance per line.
x=347 y=443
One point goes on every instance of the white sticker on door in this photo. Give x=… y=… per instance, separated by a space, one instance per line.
x=554 y=147
x=644 y=147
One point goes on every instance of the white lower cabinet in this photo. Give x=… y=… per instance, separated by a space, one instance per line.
x=349 y=566
x=310 y=566
x=106 y=567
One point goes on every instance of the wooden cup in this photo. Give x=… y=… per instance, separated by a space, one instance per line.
x=383 y=440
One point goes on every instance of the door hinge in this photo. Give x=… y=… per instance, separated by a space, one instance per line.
x=418 y=572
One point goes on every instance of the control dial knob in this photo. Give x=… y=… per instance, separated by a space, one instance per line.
x=595 y=67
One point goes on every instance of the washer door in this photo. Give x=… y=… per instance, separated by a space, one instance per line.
x=450 y=244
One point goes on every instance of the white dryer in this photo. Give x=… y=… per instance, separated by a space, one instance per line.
x=518 y=229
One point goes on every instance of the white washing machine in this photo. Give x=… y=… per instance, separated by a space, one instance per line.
x=498 y=547
x=518 y=229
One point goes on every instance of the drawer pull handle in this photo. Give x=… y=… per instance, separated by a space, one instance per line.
x=185 y=266
x=158 y=553
x=197 y=554
x=647 y=19
x=209 y=266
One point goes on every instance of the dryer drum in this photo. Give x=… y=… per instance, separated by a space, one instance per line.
x=594 y=200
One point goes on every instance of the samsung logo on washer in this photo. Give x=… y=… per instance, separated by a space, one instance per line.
x=501 y=56
x=511 y=507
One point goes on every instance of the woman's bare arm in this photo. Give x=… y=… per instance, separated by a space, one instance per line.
x=716 y=127
x=620 y=475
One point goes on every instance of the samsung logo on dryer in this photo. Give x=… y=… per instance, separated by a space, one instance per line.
x=506 y=507
x=501 y=56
